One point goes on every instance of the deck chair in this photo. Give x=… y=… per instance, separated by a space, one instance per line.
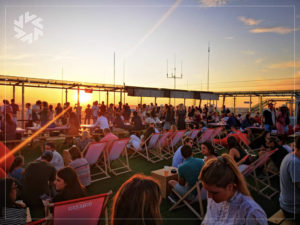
x=209 y=135
x=184 y=202
x=194 y=136
x=149 y=151
x=5 y=165
x=260 y=185
x=97 y=160
x=244 y=142
x=81 y=211
x=176 y=139
x=163 y=143
x=114 y=154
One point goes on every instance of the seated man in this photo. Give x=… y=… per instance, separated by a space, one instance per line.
x=108 y=135
x=102 y=121
x=57 y=160
x=37 y=180
x=188 y=173
x=290 y=184
x=178 y=158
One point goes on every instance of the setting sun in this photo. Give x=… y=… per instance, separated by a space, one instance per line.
x=84 y=98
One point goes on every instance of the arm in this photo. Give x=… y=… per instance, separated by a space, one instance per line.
x=181 y=181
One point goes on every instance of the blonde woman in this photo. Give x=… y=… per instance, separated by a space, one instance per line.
x=229 y=200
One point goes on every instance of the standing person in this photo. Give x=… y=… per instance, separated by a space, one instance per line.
x=168 y=118
x=28 y=115
x=36 y=108
x=15 y=109
x=269 y=118
x=88 y=114
x=8 y=127
x=68 y=185
x=136 y=121
x=229 y=200
x=281 y=120
x=37 y=180
x=51 y=116
x=103 y=107
x=102 y=121
x=95 y=110
x=45 y=114
x=181 y=114
x=58 y=109
x=141 y=191
x=290 y=184
x=78 y=109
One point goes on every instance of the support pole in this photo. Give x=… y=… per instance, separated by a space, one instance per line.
x=121 y=95
x=66 y=95
x=14 y=92
x=260 y=104
x=78 y=93
x=99 y=96
x=154 y=100
x=216 y=105
x=23 y=105
x=224 y=96
x=184 y=101
x=291 y=111
x=107 y=99
x=234 y=101
x=141 y=102
x=250 y=104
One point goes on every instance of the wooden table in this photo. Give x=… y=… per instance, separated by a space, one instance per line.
x=159 y=175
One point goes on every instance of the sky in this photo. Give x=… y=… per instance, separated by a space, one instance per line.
x=253 y=44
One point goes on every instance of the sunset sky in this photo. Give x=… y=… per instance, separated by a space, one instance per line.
x=254 y=44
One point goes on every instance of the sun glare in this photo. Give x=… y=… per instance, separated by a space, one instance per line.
x=84 y=98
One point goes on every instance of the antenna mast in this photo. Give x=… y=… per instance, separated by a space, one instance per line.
x=208 y=67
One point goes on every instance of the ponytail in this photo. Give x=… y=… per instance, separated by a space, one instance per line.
x=223 y=171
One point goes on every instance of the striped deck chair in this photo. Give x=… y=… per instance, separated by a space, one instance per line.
x=149 y=151
x=163 y=143
x=95 y=155
x=177 y=137
x=81 y=211
x=114 y=154
x=194 y=136
x=209 y=135
x=260 y=185
x=184 y=202
x=244 y=142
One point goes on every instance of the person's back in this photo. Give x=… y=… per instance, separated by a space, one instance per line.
x=290 y=184
x=37 y=177
x=137 y=122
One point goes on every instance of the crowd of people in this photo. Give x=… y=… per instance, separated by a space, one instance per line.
x=68 y=176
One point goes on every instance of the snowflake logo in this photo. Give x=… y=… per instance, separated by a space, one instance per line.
x=36 y=31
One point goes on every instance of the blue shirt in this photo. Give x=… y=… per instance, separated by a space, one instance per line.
x=17 y=174
x=190 y=170
x=177 y=158
x=289 y=176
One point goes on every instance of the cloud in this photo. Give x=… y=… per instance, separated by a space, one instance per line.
x=258 y=61
x=213 y=3
x=248 y=52
x=277 y=30
x=249 y=21
x=229 y=38
x=285 y=65
x=16 y=57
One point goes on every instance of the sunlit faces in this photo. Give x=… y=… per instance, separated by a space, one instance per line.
x=59 y=183
x=204 y=150
x=219 y=194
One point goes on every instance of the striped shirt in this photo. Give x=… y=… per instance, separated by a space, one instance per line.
x=82 y=168
x=13 y=216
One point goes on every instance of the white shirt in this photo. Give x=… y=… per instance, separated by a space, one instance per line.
x=102 y=122
x=29 y=114
x=240 y=209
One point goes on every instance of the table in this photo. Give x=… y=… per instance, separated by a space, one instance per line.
x=216 y=125
x=159 y=175
x=89 y=126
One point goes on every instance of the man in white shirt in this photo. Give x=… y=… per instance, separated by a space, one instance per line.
x=57 y=160
x=101 y=122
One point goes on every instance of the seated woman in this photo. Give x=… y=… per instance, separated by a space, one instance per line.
x=68 y=185
x=80 y=165
x=73 y=124
x=229 y=200
x=11 y=212
x=235 y=150
x=208 y=151
x=16 y=171
x=141 y=191
x=83 y=141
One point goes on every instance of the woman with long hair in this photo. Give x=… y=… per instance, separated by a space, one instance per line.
x=235 y=150
x=11 y=212
x=73 y=124
x=137 y=202
x=68 y=185
x=208 y=151
x=229 y=200
x=8 y=127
